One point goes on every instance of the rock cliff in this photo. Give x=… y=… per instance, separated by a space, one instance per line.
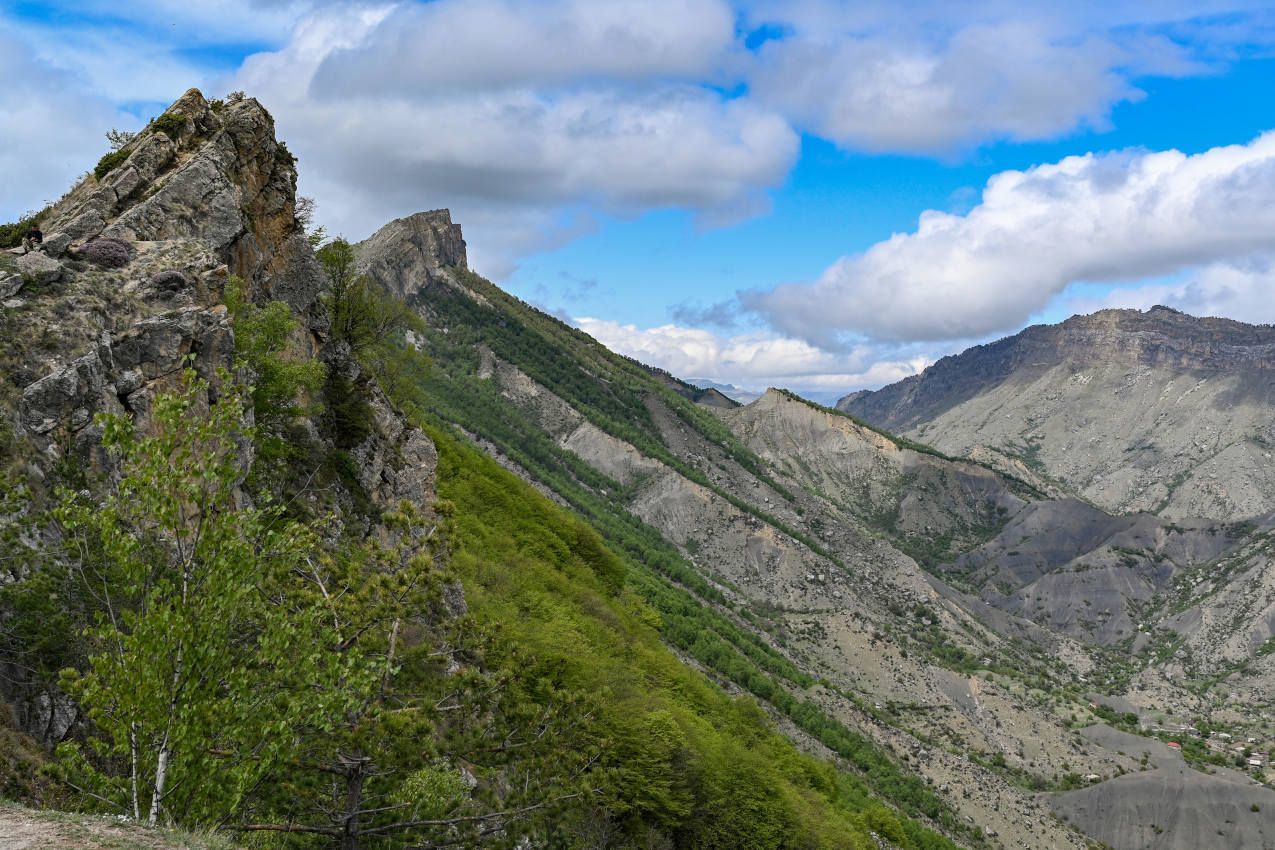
x=409 y=254
x=1135 y=411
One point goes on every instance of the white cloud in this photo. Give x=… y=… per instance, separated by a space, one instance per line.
x=752 y=360
x=1097 y=218
x=938 y=78
x=52 y=130
x=1003 y=80
x=523 y=167
x=484 y=44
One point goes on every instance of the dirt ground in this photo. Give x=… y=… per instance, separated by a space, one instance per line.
x=25 y=829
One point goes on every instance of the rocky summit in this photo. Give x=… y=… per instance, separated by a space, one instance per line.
x=1021 y=600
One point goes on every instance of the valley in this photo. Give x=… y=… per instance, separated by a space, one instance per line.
x=1021 y=600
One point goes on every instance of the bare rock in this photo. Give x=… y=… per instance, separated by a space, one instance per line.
x=10 y=284
x=37 y=267
x=409 y=254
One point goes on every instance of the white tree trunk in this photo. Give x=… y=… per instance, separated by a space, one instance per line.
x=133 y=754
x=161 y=773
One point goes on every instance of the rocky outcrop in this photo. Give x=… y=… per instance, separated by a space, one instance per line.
x=122 y=374
x=214 y=175
x=409 y=254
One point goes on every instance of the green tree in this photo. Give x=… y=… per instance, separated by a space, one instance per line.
x=263 y=343
x=362 y=315
x=443 y=750
x=209 y=650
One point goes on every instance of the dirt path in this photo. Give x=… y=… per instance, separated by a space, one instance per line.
x=25 y=829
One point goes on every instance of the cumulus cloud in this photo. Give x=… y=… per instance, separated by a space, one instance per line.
x=937 y=78
x=544 y=156
x=753 y=360
x=481 y=44
x=1097 y=218
x=1003 y=80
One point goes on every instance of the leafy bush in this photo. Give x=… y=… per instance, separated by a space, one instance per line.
x=11 y=234
x=108 y=163
x=169 y=281
x=262 y=336
x=170 y=124
x=109 y=253
x=285 y=154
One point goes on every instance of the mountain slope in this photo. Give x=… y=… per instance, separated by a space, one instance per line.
x=1151 y=411
x=801 y=530
x=678 y=755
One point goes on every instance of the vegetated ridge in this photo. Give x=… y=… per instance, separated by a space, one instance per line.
x=812 y=575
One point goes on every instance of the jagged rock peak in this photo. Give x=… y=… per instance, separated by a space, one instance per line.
x=212 y=172
x=411 y=253
x=1158 y=337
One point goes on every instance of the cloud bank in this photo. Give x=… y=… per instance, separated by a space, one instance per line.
x=753 y=360
x=1095 y=218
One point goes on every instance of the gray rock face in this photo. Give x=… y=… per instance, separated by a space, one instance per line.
x=1173 y=808
x=1159 y=338
x=38 y=268
x=1156 y=411
x=223 y=180
x=122 y=374
x=1081 y=572
x=409 y=254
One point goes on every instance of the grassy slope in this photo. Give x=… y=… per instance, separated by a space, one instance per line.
x=611 y=391
x=720 y=774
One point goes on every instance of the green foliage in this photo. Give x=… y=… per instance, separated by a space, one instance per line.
x=170 y=124
x=682 y=760
x=349 y=415
x=109 y=162
x=194 y=683
x=388 y=767
x=11 y=234
x=23 y=768
x=740 y=656
x=263 y=343
x=361 y=313
x=285 y=155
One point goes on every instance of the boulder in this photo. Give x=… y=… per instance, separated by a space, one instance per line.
x=38 y=268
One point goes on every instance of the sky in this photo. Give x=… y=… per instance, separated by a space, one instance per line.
x=811 y=194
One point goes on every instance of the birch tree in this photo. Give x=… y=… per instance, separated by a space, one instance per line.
x=210 y=649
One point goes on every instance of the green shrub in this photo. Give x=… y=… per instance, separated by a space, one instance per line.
x=108 y=163
x=11 y=234
x=170 y=124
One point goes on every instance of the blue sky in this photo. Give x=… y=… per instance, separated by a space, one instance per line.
x=812 y=194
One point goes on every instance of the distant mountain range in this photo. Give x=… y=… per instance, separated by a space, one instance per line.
x=744 y=396
x=1152 y=411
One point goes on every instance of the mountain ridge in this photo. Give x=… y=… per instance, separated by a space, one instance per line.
x=1134 y=411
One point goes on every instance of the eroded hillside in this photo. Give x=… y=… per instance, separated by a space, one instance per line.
x=1152 y=411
